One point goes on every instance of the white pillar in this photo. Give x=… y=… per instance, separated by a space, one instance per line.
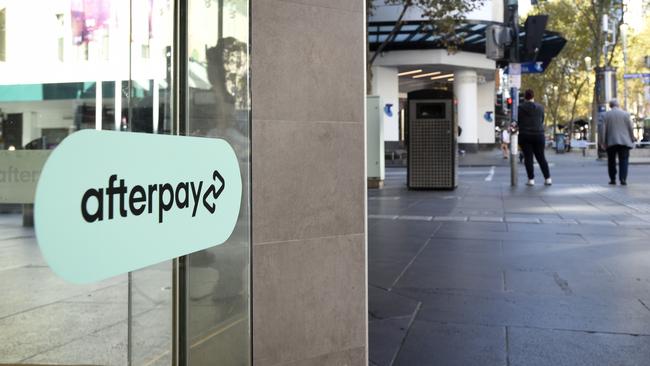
x=385 y=83
x=485 y=116
x=465 y=92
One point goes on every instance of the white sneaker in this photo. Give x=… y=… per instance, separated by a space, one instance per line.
x=548 y=182
x=531 y=182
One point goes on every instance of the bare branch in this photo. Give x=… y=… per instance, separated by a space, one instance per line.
x=391 y=36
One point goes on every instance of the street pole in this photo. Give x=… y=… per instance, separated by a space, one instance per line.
x=514 y=137
x=624 y=68
x=513 y=9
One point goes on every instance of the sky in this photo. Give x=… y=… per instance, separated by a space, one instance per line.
x=634 y=15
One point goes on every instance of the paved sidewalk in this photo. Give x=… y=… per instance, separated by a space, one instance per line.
x=494 y=157
x=493 y=275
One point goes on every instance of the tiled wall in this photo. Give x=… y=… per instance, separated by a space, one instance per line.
x=309 y=257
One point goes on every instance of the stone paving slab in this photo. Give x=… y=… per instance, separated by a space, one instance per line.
x=486 y=219
x=386 y=338
x=385 y=304
x=523 y=220
x=450 y=218
x=543 y=347
x=439 y=343
x=54 y=325
x=624 y=316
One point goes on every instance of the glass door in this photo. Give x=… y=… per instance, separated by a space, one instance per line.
x=153 y=66
x=218 y=106
x=150 y=109
x=64 y=67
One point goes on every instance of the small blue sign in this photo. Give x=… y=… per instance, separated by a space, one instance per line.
x=636 y=76
x=487 y=116
x=388 y=110
x=532 y=67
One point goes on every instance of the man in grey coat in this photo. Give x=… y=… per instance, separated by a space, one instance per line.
x=618 y=139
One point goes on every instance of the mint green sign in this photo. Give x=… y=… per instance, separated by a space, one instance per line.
x=112 y=202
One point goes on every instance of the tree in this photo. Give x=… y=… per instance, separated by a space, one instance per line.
x=562 y=86
x=443 y=15
x=638 y=48
x=594 y=12
x=566 y=82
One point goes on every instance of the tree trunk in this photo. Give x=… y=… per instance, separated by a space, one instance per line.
x=575 y=104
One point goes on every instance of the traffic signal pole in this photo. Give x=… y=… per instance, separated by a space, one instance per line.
x=513 y=11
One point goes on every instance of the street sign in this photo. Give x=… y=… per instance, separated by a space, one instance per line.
x=536 y=67
x=637 y=76
x=532 y=67
x=515 y=75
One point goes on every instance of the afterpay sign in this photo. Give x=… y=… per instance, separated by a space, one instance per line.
x=112 y=202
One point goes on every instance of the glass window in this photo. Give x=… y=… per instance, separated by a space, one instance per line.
x=107 y=65
x=219 y=106
x=3 y=35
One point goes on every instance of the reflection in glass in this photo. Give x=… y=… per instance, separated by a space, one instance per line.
x=218 y=106
x=149 y=111
x=83 y=67
x=62 y=71
x=102 y=64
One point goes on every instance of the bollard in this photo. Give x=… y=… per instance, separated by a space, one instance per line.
x=514 y=157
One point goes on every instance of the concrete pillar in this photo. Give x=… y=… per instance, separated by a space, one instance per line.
x=465 y=92
x=485 y=112
x=385 y=84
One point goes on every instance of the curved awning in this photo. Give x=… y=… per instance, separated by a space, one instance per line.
x=419 y=35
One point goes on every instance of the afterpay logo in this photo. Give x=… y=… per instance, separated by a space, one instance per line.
x=112 y=202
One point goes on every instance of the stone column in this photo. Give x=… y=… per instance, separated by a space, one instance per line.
x=465 y=92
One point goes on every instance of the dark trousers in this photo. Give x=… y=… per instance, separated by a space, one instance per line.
x=623 y=153
x=534 y=145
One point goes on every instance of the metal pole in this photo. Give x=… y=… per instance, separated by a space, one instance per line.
x=624 y=68
x=514 y=137
x=513 y=7
x=180 y=272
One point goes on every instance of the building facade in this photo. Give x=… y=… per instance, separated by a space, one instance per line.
x=410 y=64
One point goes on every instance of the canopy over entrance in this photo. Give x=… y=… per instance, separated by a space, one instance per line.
x=419 y=35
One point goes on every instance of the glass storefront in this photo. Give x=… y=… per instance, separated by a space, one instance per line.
x=151 y=66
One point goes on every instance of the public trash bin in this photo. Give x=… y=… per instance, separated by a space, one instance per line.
x=432 y=140
x=559 y=143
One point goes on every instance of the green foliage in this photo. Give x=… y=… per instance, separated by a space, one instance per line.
x=638 y=47
x=567 y=85
x=444 y=15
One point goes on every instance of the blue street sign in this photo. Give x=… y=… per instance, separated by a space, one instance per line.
x=636 y=76
x=530 y=68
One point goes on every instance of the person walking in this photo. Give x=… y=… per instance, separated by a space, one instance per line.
x=618 y=139
x=531 y=137
x=505 y=142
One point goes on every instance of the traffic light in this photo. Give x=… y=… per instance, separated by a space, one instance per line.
x=534 y=27
x=498 y=104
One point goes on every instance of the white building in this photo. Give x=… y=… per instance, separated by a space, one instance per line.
x=469 y=74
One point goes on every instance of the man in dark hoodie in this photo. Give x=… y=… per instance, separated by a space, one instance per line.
x=531 y=137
